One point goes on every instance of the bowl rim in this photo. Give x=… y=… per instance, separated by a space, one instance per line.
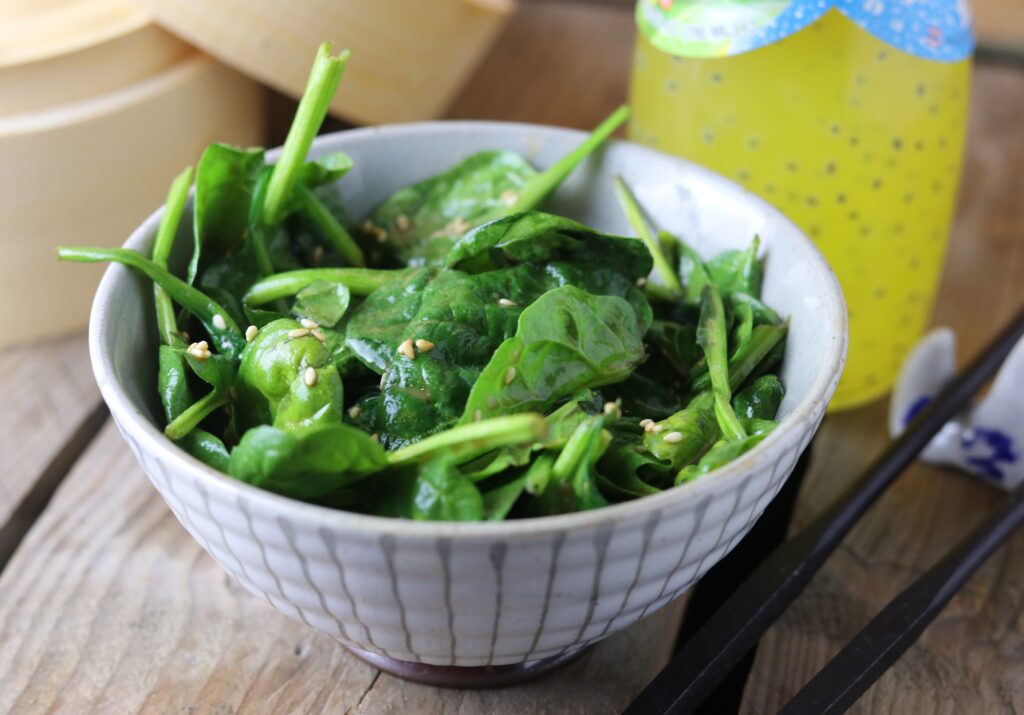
x=131 y=419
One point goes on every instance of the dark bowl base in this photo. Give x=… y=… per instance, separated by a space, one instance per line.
x=463 y=677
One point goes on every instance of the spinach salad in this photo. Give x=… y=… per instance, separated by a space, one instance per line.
x=458 y=354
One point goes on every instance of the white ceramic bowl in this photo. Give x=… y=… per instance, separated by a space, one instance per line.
x=489 y=594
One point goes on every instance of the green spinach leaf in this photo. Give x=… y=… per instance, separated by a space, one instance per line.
x=566 y=341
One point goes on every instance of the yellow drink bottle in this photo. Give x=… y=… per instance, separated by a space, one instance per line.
x=853 y=127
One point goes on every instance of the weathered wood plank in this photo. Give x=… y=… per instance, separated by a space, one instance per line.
x=969 y=659
x=110 y=605
x=50 y=412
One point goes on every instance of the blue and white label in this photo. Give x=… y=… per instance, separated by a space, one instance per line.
x=939 y=30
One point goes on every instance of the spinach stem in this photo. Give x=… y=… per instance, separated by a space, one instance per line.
x=166 y=321
x=257 y=237
x=711 y=336
x=359 y=281
x=323 y=81
x=195 y=413
x=331 y=227
x=537 y=189
x=576 y=449
x=228 y=338
x=636 y=219
x=464 y=442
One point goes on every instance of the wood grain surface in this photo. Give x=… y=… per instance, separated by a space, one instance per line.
x=50 y=412
x=970 y=659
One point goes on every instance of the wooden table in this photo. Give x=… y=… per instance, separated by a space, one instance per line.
x=107 y=605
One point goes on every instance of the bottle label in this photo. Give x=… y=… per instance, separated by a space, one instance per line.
x=933 y=29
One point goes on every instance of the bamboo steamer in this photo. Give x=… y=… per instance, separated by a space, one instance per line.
x=99 y=110
x=409 y=57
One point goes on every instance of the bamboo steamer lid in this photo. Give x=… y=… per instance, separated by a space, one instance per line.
x=90 y=149
x=409 y=57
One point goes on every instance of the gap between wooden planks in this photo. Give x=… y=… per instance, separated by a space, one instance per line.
x=51 y=410
x=970 y=659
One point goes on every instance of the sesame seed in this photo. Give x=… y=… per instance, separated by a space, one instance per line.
x=477 y=415
x=308 y=324
x=641 y=282
x=424 y=346
x=645 y=423
x=219 y=323
x=508 y=197
x=406 y=349
x=250 y=333
x=510 y=374
x=506 y=303
x=656 y=428
x=402 y=223
x=185 y=335
x=298 y=333
x=310 y=377
x=673 y=437
x=354 y=411
x=200 y=351
x=375 y=437
x=318 y=335
x=383 y=377
x=610 y=408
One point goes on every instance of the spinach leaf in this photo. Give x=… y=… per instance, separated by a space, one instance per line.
x=761 y=352
x=501 y=494
x=557 y=427
x=738 y=271
x=743 y=319
x=445 y=494
x=647 y=393
x=565 y=341
x=684 y=436
x=172 y=382
x=626 y=469
x=711 y=336
x=759 y=400
x=286 y=378
x=676 y=343
x=534 y=236
x=325 y=170
x=720 y=454
x=571 y=483
x=225 y=180
x=307 y=463
x=422 y=221
x=322 y=302
x=459 y=320
x=692 y=272
x=206 y=447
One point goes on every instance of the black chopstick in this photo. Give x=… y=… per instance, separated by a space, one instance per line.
x=735 y=628
x=861 y=661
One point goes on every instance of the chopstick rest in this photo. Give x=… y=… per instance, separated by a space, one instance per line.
x=987 y=440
